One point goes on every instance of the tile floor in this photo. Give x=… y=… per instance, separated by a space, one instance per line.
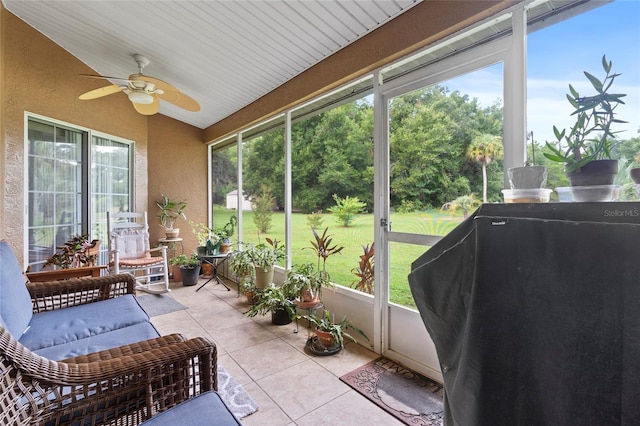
x=290 y=386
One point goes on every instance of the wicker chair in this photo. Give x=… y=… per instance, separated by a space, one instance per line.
x=124 y=385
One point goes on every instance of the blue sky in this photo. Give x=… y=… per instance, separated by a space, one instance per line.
x=559 y=54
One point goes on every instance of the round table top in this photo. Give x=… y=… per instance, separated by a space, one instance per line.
x=170 y=240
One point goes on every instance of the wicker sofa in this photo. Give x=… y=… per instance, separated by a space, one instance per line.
x=82 y=351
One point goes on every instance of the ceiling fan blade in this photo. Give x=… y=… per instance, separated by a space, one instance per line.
x=104 y=77
x=103 y=91
x=180 y=99
x=148 y=109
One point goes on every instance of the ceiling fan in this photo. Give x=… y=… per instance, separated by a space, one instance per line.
x=143 y=91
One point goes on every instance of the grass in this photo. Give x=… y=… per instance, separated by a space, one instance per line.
x=353 y=238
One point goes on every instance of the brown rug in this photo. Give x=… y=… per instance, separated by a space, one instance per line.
x=405 y=394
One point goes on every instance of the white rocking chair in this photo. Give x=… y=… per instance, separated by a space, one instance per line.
x=130 y=252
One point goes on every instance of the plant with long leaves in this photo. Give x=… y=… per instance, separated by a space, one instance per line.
x=364 y=271
x=323 y=248
x=338 y=330
x=591 y=137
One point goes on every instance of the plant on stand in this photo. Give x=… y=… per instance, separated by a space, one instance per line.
x=170 y=211
x=242 y=267
x=330 y=335
x=589 y=142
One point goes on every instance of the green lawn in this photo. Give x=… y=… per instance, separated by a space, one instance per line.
x=360 y=233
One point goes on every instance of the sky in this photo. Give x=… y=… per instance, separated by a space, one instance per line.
x=558 y=55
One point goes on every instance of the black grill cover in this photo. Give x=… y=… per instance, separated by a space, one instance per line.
x=534 y=310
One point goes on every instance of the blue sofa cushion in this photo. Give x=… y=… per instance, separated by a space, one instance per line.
x=99 y=342
x=15 y=302
x=78 y=322
x=205 y=409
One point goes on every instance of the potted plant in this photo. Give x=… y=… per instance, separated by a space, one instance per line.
x=528 y=176
x=189 y=268
x=226 y=232
x=264 y=256
x=587 y=155
x=307 y=283
x=331 y=334
x=278 y=302
x=78 y=252
x=170 y=210
x=242 y=267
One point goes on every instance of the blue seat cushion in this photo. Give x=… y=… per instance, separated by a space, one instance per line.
x=205 y=409
x=78 y=322
x=15 y=302
x=100 y=342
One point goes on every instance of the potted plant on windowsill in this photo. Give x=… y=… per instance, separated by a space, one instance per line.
x=589 y=142
x=330 y=335
x=170 y=211
x=278 y=302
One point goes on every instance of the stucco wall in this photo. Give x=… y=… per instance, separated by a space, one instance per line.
x=178 y=169
x=40 y=77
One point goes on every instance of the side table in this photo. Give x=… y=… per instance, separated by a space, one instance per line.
x=214 y=260
x=172 y=245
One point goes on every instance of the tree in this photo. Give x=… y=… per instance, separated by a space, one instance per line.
x=346 y=209
x=262 y=206
x=484 y=149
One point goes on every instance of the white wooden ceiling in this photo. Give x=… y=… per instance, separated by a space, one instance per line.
x=223 y=53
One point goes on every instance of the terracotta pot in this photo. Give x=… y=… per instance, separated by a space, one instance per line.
x=207 y=270
x=176 y=272
x=308 y=296
x=326 y=339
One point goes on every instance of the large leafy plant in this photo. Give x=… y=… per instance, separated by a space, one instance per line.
x=591 y=137
x=273 y=299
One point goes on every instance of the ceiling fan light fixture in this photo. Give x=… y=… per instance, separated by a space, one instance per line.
x=140 y=98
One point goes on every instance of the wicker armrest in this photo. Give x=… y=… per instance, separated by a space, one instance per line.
x=47 y=296
x=154 y=376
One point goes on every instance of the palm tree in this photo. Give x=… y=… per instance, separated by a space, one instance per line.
x=484 y=149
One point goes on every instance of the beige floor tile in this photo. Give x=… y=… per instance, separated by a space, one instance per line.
x=216 y=321
x=236 y=371
x=242 y=336
x=351 y=357
x=267 y=358
x=302 y=388
x=269 y=414
x=348 y=409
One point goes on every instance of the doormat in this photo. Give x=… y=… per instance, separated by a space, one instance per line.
x=159 y=304
x=405 y=394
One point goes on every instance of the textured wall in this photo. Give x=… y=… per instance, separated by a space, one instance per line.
x=40 y=77
x=178 y=169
